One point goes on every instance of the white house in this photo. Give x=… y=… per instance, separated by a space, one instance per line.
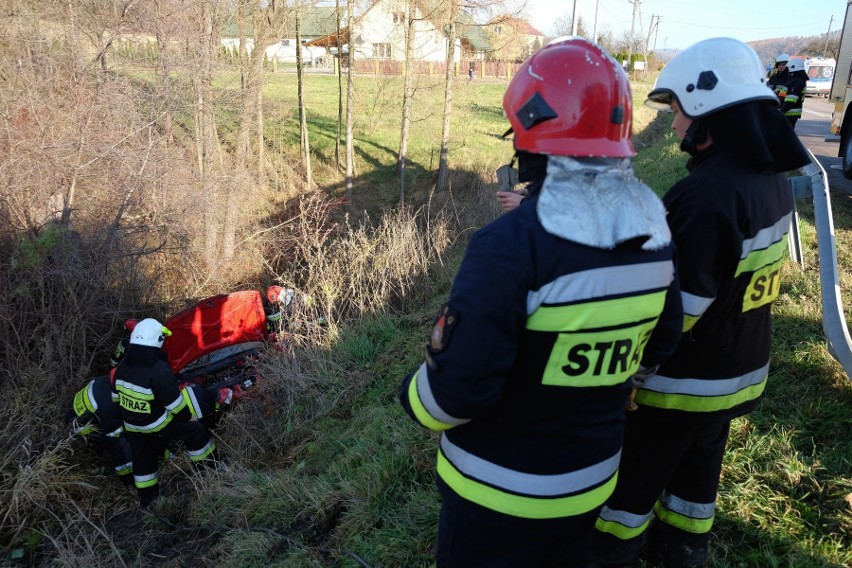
x=379 y=33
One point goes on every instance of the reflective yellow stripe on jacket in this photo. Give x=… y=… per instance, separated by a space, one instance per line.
x=527 y=495
x=702 y=395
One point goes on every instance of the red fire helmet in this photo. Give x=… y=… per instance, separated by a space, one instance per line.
x=273 y=294
x=570 y=98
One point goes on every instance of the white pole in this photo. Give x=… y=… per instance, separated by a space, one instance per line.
x=574 y=19
x=595 y=31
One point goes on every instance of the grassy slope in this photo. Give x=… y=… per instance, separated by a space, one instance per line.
x=332 y=473
x=364 y=483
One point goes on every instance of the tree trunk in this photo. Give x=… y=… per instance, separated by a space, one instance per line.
x=206 y=138
x=304 y=141
x=339 y=73
x=407 y=95
x=443 y=166
x=350 y=104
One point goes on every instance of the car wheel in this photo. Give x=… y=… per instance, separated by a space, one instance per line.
x=846 y=152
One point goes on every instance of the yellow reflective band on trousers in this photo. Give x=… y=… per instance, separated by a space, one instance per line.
x=698 y=403
x=620 y=531
x=684 y=523
x=203 y=453
x=521 y=505
x=597 y=314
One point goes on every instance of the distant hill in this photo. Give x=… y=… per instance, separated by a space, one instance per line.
x=810 y=46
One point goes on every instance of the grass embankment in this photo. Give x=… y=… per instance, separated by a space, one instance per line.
x=359 y=487
x=324 y=467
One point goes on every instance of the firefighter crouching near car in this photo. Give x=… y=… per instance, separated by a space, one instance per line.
x=97 y=418
x=729 y=219
x=154 y=410
x=794 y=98
x=555 y=305
x=780 y=75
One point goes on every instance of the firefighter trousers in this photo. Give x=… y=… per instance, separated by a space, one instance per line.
x=148 y=449
x=468 y=538
x=666 y=494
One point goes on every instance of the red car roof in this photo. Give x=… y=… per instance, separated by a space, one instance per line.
x=221 y=324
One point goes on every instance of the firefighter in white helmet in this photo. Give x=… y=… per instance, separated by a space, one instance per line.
x=779 y=77
x=555 y=306
x=154 y=410
x=729 y=219
x=794 y=96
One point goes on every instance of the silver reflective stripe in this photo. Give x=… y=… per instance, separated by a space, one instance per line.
x=424 y=393
x=624 y=518
x=767 y=237
x=90 y=393
x=695 y=305
x=706 y=387
x=687 y=508
x=116 y=433
x=598 y=282
x=529 y=483
x=144 y=478
x=175 y=403
x=124 y=467
x=134 y=388
x=195 y=407
x=165 y=417
x=207 y=447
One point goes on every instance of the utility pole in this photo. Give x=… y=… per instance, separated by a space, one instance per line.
x=630 y=39
x=574 y=19
x=656 y=33
x=595 y=30
x=825 y=48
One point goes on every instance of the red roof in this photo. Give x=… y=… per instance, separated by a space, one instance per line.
x=519 y=25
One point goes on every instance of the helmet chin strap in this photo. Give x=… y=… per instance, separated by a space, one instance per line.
x=695 y=136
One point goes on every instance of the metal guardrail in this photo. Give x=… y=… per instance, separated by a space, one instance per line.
x=833 y=318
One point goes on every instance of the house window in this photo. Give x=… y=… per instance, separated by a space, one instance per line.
x=382 y=50
x=285 y=42
x=498 y=29
x=399 y=17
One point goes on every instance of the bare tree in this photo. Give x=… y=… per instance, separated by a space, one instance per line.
x=443 y=165
x=206 y=134
x=407 y=96
x=350 y=102
x=304 y=140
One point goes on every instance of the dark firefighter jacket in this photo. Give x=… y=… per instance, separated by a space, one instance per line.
x=147 y=391
x=791 y=106
x=527 y=370
x=778 y=83
x=96 y=414
x=733 y=223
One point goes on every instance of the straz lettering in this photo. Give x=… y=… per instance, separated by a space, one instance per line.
x=134 y=405
x=764 y=287
x=596 y=359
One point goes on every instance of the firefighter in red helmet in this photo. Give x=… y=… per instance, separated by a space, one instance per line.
x=555 y=307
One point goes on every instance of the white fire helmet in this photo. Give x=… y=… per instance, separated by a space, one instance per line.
x=796 y=65
x=711 y=75
x=149 y=332
x=783 y=58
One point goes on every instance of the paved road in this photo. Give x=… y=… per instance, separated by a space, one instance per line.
x=814 y=130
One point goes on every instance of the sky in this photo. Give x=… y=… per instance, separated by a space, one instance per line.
x=684 y=22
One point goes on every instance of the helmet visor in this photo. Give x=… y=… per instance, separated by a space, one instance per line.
x=660 y=99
